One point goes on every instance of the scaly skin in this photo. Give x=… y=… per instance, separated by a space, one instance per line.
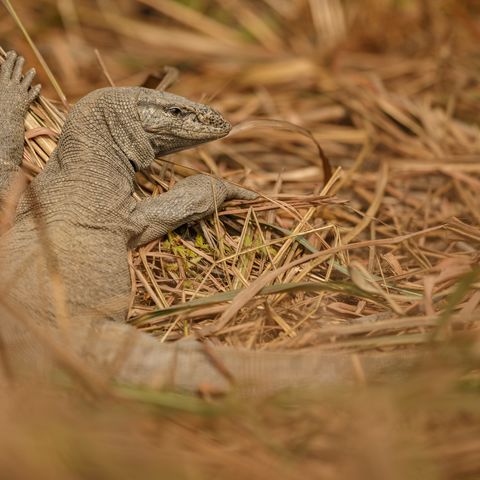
x=65 y=258
x=83 y=200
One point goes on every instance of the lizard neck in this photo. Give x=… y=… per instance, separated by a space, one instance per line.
x=90 y=175
x=104 y=131
x=91 y=156
x=103 y=134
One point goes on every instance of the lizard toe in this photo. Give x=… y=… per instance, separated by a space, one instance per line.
x=28 y=78
x=34 y=92
x=7 y=66
x=17 y=69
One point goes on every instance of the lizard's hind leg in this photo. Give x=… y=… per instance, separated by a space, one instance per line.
x=16 y=95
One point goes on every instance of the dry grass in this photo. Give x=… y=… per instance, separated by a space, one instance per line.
x=384 y=255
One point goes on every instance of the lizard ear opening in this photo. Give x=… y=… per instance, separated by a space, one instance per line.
x=134 y=166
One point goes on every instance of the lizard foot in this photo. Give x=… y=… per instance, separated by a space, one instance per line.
x=16 y=92
x=203 y=189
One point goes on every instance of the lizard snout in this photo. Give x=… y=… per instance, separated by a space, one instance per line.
x=214 y=120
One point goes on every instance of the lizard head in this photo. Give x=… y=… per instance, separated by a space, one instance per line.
x=136 y=124
x=174 y=123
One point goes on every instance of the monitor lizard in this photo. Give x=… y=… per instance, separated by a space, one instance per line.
x=64 y=265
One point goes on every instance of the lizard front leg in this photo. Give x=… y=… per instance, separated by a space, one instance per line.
x=16 y=95
x=191 y=199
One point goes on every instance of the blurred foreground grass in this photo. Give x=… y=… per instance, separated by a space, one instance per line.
x=428 y=428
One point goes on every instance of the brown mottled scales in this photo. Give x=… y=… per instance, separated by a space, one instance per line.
x=77 y=220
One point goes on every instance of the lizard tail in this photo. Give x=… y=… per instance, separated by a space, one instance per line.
x=103 y=351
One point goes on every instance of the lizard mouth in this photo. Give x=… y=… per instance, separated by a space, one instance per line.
x=205 y=131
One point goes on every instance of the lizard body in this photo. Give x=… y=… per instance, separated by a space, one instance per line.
x=65 y=258
x=82 y=202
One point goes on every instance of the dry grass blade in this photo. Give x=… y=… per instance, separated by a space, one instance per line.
x=282 y=125
x=232 y=294
x=195 y=20
x=50 y=75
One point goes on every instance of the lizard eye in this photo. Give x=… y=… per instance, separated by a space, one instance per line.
x=176 y=112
